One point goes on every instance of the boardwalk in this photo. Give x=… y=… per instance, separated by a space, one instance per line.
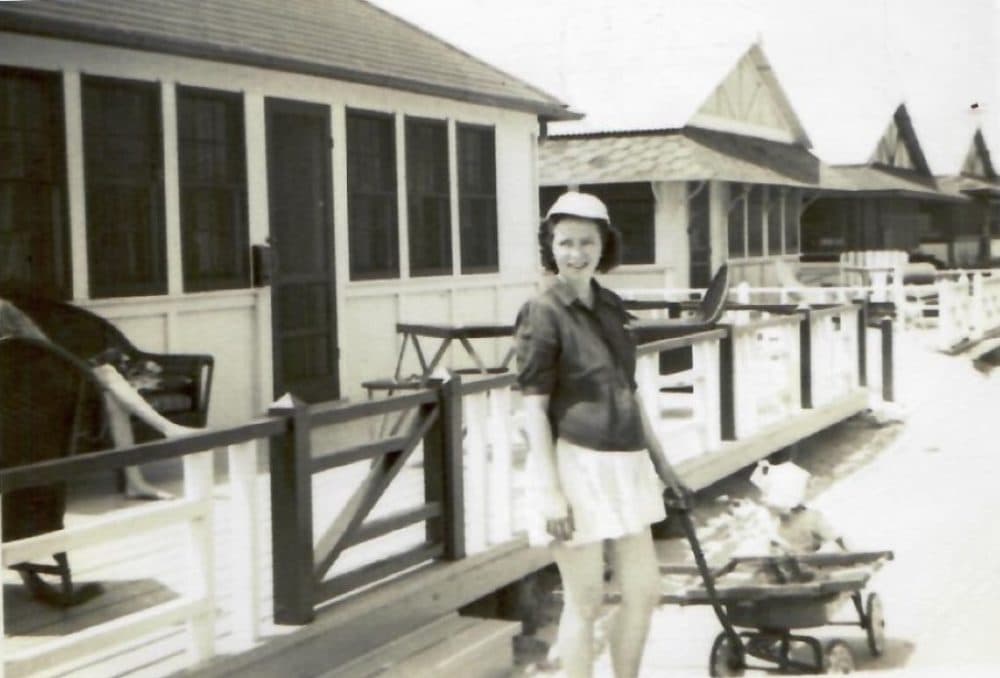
x=925 y=488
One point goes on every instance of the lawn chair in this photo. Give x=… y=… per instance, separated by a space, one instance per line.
x=706 y=315
x=182 y=385
x=50 y=407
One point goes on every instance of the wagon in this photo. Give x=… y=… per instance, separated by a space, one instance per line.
x=760 y=601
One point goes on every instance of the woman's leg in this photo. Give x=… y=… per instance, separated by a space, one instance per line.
x=121 y=401
x=581 y=569
x=130 y=400
x=638 y=576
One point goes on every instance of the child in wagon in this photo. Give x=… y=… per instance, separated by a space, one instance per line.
x=798 y=528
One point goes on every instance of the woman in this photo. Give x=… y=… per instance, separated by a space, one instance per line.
x=121 y=401
x=593 y=455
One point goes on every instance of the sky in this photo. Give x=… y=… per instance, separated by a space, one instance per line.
x=844 y=64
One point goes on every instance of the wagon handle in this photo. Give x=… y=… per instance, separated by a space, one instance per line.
x=687 y=525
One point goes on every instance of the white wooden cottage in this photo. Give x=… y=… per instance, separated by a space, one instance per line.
x=879 y=190
x=696 y=171
x=272 y=183
x=972 y=233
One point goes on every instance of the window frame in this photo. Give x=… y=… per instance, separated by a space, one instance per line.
x=386 y=195
x=155 y=282
x=235 y=186
x=417 y=229
x=468 y=233
x=56 y=280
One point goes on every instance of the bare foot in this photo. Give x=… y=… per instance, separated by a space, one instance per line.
x=137 y=487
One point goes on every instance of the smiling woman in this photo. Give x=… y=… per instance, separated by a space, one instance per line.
x=595 y=468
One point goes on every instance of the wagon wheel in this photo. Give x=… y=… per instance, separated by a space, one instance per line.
x=838 y=658
x=875 y=624
x=725 y=660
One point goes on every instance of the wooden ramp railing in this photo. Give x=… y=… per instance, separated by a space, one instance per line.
x=779 y=368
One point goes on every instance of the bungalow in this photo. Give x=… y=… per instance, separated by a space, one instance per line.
x=697 y=168
x=275 y=184
x=969 y=234
x=879 y=192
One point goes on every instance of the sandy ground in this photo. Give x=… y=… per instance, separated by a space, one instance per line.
x=918 y=477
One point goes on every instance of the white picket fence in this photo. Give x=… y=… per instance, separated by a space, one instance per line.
x=968 y=308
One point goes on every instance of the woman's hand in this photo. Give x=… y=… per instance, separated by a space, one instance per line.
x=561 y=528
x=678 y=496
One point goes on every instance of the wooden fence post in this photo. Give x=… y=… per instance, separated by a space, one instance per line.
x=805 y=358
x=443 y=470
x=291 y=517
x=244 y=520
x=727 y=400
x=198 y=484
x=887 y=387
x=862 y=342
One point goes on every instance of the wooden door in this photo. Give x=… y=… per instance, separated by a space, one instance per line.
x=303 y=287
x=699 y=235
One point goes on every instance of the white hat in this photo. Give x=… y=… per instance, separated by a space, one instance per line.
x=582 y=205
x=782 y=486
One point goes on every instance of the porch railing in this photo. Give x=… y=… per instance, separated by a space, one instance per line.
x=193 y=512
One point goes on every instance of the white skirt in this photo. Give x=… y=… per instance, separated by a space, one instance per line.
x=610 y=494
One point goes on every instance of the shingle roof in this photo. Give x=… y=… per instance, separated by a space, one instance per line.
x=342 y=39
x=876 y=181
x=969 y=186
x=673 y=155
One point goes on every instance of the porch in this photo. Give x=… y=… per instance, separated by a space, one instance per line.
x=301 y=540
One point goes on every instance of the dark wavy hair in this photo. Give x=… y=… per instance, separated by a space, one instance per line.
x=611 y=243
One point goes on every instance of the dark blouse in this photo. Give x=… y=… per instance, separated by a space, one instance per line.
x=584 y=360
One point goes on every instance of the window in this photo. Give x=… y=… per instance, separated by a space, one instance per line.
x=631 y=208
x=755 y=221
x=34 y=245
x=775 y=209
x=737 y=221
x=477 y=199
x=212 y=190
x=373 y=230
x=547 y=195
x=123 y=165
x=428 y=197
x=793 y=209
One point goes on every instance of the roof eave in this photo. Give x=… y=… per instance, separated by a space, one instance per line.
x=114 y=37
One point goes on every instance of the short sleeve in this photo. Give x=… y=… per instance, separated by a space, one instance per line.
x=536 y=338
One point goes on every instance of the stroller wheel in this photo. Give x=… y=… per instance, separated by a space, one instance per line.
x=838 y=658
x=725 y=660
x=875 y=626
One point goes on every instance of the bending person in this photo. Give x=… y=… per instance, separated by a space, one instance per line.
x=121 y=401
x=596 y=470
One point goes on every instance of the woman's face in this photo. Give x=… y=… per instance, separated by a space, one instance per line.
x=576 y=248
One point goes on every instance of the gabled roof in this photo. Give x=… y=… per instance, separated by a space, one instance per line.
x=898 y=147
x=348 y=40
x=673 y=155
x=635 y=83
x=977 y=160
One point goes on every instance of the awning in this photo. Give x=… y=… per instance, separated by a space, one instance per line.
x=673 y=155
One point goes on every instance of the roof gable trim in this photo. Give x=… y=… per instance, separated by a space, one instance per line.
x=750 y=100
